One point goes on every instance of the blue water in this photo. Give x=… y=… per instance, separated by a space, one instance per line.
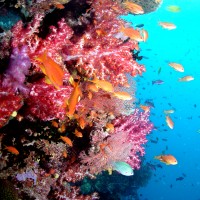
x=180 y=45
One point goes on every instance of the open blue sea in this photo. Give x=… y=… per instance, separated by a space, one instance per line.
x=181 y=45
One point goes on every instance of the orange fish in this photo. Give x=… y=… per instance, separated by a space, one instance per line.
x=104 y=85
x=133 y=7
x=167 y=25
x=167 y=159
x=122 y=95
x=62 y=128
x=169 y=122
x=74 y=99
x=55 y=124
x=109 y=127
x=145 y=108
x=78 y=133
x=81 y=122
x=51 y=69
x=12 y=150
x=145 y=35
x=186 y=78
x=92 y=87
x=133 y=34
x=59 y=5
x=176 y=66
x=64 y=154
x=66 y=140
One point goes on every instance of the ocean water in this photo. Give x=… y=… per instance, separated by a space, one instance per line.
x=181 y=45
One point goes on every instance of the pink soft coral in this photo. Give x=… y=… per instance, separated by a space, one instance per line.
x=99 y=52
x=125 y=144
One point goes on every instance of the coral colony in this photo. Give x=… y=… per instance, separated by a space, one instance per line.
x=64 y=114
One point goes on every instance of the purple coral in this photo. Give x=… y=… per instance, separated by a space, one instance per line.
x=17 y=70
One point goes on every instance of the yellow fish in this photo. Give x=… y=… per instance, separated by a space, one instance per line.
x=51 y=69
x=122 y=95
x=186 y=78
x=167 y=25
x=167 y=159
x=173 y=8
x=104 y=85
x=176 y=66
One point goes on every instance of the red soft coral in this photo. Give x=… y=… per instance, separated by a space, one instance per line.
x=47 y=103
x=99 y=51
x=9 y=102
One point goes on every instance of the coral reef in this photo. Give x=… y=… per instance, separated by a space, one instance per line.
x=66 y=106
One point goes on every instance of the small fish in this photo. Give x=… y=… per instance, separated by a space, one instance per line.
x=65 y=154
x=169 y=122
x=78 y=133
x=55 y=124
x=12 y=150
x=167 y=25
x=59 y=5
x=159 y=70
x=150 y=104
x=186 y=79
x=123 y=168
x=109 y=127
x=178 y=67
x=66 y=140
x=104 y=85
x=53 y=71
x=62 y=128
x=173 y=8
x=154 y=141
x=167 y=159
x=133 y=7
x=81 y=122
x=145 y=108
x=74 y=98
x=168 y=111
x=133 y=34
x=139 y=25
x=122 y=95
x=145 y=35
x=179 y=178
x=157 y=82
